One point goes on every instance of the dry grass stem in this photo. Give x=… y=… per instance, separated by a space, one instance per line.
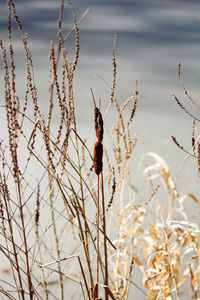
x=74 y=224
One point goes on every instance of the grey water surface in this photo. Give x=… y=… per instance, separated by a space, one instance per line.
x=153 y=36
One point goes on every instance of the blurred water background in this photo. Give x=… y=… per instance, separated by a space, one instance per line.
x=153 y=36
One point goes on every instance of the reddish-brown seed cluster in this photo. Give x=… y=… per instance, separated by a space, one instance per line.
x=98 y=156
x=98 y=123
x=98 y=146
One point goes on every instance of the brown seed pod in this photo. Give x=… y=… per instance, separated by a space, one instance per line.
x=98 y=123
x=98 y=156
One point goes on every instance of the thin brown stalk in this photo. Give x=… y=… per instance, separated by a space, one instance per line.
x=5 y=193
x=50 y=167
x=112 y=193
x=29 y=64
x=84 y=238
x=183 y=108
x=104 y=236
x=37 y=216
x=56 y=240
x=12 y=108
x=112 y=91
x=134 y=105
x=78 y=23
x=59 y=30
x=193 y=136
x=98 y=248
x=28 y=271
x=70 y=74
x=181 y=147
x=183 y=87
x=76 y=55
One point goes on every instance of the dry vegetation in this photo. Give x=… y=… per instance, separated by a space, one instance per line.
x=69 y=231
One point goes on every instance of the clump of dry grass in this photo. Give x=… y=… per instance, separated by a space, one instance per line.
x=68 y=232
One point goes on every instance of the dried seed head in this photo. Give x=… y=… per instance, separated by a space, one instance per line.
x=193 y=141
x=98 y=123
x=98 y=156
x=2 y=214
x=37 y=210
x=113 y=191
x=177 y=143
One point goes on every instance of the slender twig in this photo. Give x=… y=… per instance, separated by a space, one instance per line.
x=104 y=236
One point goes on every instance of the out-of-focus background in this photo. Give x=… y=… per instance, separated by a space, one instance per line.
x=153 y=36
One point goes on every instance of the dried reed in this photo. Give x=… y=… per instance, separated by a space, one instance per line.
x=67 y=232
